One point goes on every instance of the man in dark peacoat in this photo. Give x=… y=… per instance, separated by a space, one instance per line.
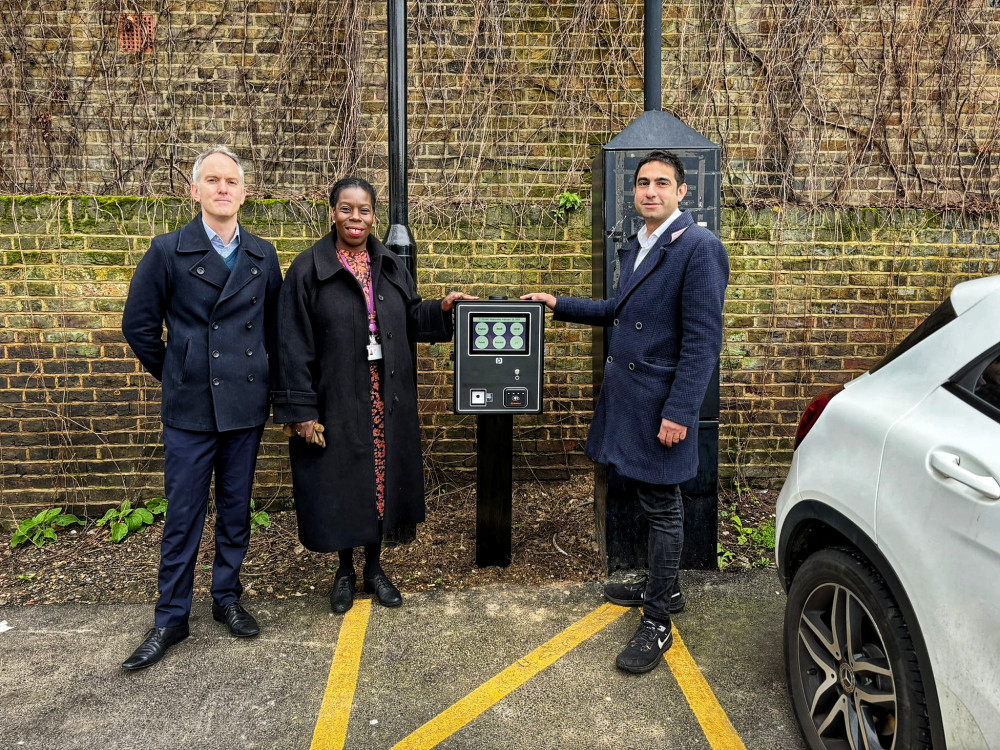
x=215 y=286
x=667 y=319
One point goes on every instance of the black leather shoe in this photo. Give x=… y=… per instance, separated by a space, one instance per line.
x=387 y=594
x=342 y=596
x=152 y=649
x=238 y=620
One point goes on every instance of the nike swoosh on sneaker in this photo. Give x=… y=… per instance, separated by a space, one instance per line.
x=661 y=641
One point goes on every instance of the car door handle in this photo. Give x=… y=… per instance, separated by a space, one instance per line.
x=948 y=464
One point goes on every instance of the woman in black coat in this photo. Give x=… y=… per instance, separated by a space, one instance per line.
x=347 y=313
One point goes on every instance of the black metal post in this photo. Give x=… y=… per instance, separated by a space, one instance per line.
x=398 y=238
x=652 y=43
x=494 y=488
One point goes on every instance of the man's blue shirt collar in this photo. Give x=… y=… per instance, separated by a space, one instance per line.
x=223 y=249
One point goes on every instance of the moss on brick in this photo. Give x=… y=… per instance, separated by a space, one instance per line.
x=108 y=244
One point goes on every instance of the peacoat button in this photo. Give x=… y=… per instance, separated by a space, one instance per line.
x=200 y=270
x=631 y=365
x=610 y=359
x=392 y=373
x=638 y=326
x=250 y=378
x=253 y=300
x=380 y=298
x=249 y=324
x=216 y=354
x=389 y=334
x=254 y=271
x=616 y=322
x=215 y=381
x=249 y=352
x=215 y=326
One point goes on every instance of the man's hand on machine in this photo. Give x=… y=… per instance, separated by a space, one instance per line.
x=311 y=432
x=548 y=299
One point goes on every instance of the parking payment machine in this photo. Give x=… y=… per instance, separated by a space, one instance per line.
x=499 y=356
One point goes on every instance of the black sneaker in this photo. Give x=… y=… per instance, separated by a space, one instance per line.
x=646 y=648
x=630 y=592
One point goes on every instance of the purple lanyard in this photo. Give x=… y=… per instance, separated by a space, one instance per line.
x=369 y=297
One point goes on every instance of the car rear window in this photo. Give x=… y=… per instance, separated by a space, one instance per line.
x=978 y=383
x=942 y=316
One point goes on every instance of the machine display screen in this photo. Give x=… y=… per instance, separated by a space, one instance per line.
x=491 y=334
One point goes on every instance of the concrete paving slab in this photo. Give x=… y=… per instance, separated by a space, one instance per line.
x=61 y=685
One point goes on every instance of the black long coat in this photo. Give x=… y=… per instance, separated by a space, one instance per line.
x=322 y=373
x=220 y=327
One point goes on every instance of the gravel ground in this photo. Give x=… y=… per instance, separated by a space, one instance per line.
x=553 y=539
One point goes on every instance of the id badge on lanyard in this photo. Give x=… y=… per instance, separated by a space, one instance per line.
x=374 y=348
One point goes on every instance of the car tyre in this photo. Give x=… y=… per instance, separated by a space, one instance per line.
x=852 y=669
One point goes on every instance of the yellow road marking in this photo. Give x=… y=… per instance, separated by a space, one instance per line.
x=486 y=695
x=335 y=713
x=714 y=722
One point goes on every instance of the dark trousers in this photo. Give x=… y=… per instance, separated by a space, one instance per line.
x=664 y=509
x=190 y=460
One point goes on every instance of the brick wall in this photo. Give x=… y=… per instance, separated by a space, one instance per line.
x=860 y=165
x=847 y=102
x=816 y=297
x=79 y=418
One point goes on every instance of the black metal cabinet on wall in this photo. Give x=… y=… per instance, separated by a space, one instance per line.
x=621 y=527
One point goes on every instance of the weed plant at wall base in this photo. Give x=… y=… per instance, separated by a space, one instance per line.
x=127 y=520
x=725 y=557
x=259 y=519
x=41 y=529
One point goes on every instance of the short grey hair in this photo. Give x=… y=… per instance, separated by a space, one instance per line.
x=196 y=172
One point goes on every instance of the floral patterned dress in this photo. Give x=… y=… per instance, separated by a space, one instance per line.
x=359 y=265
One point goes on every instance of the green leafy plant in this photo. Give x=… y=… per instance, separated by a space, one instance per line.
x=157 y=506
x=26 y=577
x=724 y=555
x=760 y=540
x=41 y=529
x=742 y=532
x=259 y=519
x=125 y=519
x=764 y=536
x=566 y=203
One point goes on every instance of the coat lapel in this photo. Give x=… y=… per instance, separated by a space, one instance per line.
x=325 y=258
x=247 y=267
x=206 y=264
x=653 y=259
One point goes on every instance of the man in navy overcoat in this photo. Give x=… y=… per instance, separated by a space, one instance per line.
x=215 y=286
x=667 y=319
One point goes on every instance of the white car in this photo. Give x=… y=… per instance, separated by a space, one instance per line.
x=888 y=530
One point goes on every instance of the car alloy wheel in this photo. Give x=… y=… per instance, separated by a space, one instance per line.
x=852 y=669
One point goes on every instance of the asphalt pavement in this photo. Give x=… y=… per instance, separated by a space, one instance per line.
x=496 y=668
